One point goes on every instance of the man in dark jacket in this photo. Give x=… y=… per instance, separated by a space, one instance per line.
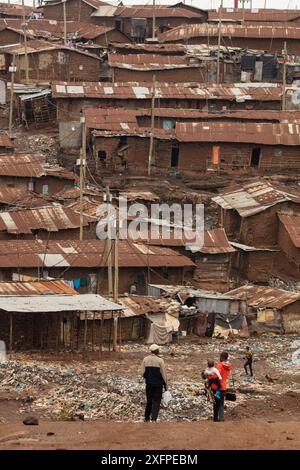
x=154 y=373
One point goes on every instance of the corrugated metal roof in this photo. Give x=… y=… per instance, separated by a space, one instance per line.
x=39 y=287
x=85 y=254
x=240 y=132
x=48 y=218
x=139 y=195
x=292 y=226
x=16 y=9
x=187 y=31
x=264 y=297
x=251 y=198
x=21 y=197
x=57 y=303
x=152 y=48
x=31 y=166
x=144 y=11
x=111 y=119
x=5 y=140
x=255 y=14
x=148 y=62
x=90 y=208
x=182 y=91
x=36 y=46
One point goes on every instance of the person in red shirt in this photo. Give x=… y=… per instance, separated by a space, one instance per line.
x=224 y=367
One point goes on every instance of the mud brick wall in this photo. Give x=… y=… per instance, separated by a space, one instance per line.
x=291 y=318
x=76 y=10
x=257 y=266
x=47 y=66
x=285 y=242
x=8 y=37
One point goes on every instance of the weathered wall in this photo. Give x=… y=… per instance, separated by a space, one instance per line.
x=54 y=184
x=58 y=65
x=111 y=36
x=291 y=318
x=76 y=10
x=174 y=75
x=9 y=37
x=127 y=329
x=212 y=272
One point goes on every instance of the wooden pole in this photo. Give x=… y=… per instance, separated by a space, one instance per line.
x=110 y=326
x=65 y=22
x=153 y=21
x=120 y=331
x=24 y=26
x=12 y=82
x=10 y=332
x=115 y=336
x=109 y=248
x=284 y=77
x=93 y=331
x=101 y=332
x=82 y=163
x=150 y=157
x=85 y=331
x=116 y=263
x=219 y=42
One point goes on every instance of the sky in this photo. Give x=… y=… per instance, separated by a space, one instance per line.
x=205 y=3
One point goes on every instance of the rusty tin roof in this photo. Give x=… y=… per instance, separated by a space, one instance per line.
x=85 y=254
x=251 y=198
x=5 y=140
x=37 y=287
x=148 y=62
x=292 y=225
x=265 y=297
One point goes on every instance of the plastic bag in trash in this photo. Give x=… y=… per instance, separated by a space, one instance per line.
x=166 y=398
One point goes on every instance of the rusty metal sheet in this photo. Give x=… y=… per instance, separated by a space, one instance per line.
x=264 y=297
x=36 y=287
x=292 y=225
x=87 y=254
x=161 y=11
x=152 y=48
x=256 y=14
x=240 y=132
x=48 y=218
x=182 y=91
x=5 y=141
x=20 y=165
x=142 y=62
x=187 y=31
x=111 y=119
x=251 y=198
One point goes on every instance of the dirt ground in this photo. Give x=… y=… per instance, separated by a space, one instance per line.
x=265 y=416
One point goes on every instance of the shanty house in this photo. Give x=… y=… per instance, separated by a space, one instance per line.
x=85 y=263
x=269 y=38
x=137 y=21
x=6 y=145
x=270 y=309
x=47 y=62
x=30 y=171
x=248 y=212
x=46 y=222
x=247 y=146
x=143 y=67
x=289 y=237
x=70 y=98
x=76 y=10
x=46 y=314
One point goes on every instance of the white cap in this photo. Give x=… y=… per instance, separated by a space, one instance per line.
x=154 y=348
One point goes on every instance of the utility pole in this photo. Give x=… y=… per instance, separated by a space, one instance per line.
x=109 y=245
x=24 y=26
x=12 y=69
x=116 y=262
x=82 y=165
x=285 y=58
x=153 y=21
x=65 y=22
x=219 y=42
x=150 y=157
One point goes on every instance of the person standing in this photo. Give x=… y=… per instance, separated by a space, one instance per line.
x=224 y=367
x=154 y=373
x=249 y=361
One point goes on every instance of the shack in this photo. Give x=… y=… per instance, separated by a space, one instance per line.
x=269 y=309
x=46 y=315
x=48 y=62
x=255 y=36
x=84 y=263
x=31 y=172
x=6 y=145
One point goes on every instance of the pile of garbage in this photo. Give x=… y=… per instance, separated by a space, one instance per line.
x=59 y=393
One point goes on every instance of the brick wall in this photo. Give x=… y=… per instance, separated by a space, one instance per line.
x=174 y=75
x=76 y=10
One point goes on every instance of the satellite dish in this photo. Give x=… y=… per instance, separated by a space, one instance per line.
x=296 y=97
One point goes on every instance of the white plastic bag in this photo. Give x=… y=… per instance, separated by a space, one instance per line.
x=166 y=398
